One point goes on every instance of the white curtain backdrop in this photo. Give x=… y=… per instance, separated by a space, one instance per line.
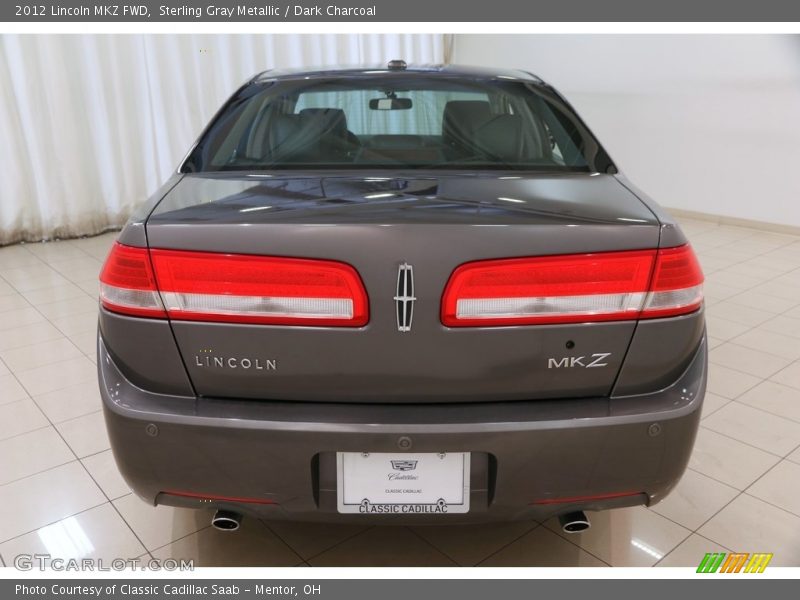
x=91 y=125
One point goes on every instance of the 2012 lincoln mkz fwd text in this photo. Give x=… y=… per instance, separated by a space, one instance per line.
x=401 y=295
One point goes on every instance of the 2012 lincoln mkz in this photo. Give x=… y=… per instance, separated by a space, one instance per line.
x=401 y=295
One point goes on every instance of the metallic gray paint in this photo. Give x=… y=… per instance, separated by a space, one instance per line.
x=534 y=433
x=277 y=450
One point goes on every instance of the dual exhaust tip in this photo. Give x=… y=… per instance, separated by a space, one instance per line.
x=226 y=520
x=574 y=522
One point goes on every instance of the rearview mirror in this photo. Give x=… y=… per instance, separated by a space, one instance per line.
x=390 y=104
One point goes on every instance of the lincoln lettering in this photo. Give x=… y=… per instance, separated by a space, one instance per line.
x=222 y=362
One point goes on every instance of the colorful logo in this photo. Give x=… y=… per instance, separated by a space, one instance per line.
x=736 y=562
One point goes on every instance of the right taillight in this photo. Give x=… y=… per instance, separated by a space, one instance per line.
x=574 y=288
x=237 y=288
x=677 y=284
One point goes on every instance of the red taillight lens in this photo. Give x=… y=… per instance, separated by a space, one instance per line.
x=128 y=285
x=606 y=286
x=677 y=286
x=200 y=286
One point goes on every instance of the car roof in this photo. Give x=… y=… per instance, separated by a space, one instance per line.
x=386 y=70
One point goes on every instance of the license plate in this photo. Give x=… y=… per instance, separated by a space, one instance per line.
x=402 y=483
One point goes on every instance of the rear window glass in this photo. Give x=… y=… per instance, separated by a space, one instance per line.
x=409 y=121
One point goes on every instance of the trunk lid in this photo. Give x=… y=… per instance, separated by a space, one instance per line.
x=434 y=222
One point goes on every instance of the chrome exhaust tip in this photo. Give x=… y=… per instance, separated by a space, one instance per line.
x=226 y=520
x=574 y=522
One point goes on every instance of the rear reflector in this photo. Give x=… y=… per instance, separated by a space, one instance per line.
x=608 y=286
x=572 y=499
x=217 y=498
x=238 y=288
x=127 y=283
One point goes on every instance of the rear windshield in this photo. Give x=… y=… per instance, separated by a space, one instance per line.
x=396 y=122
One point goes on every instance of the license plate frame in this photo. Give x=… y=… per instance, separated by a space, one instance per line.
x=403 y=483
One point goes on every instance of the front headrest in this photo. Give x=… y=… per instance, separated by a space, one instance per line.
x=460 y=119
x=501 y=137
x=324 y=120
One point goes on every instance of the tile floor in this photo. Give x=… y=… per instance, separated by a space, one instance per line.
x=61 y=492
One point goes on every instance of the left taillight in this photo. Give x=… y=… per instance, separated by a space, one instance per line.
x=237 y=288
x=128 y=284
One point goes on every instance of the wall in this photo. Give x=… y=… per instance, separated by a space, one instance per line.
x=707 y=123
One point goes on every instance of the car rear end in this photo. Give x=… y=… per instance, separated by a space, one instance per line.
x=382 y=343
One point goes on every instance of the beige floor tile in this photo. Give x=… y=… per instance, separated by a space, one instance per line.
x=783 y=325
x=20 y=417
x=789 y=376
x=718 y=291
x=542 y=548
x=695 y=500
x=104 y=471
x=755 y=427
x=85 y=435
x=4 y=369
x=721 y=328
x=70 y=402
x=771 y=342
x=13 y=319
x=98 y=533
x=86 y=342
x=779 y=289
x=45 y=498
x=57 y=376
x=691 y=552
x=747 y=360
x=157 y=526
x=627 y=537
x=734 y=280
x=39 y=355
x=751 y=525
x=711 y=404
x=383 y=547
x=66 y=308
x=780 y=486
x=25 y=335
x=12 y=302
x=795 y=456
x=90 y=286
x=16 y=257
x=713 y=342
x=470 y=544
x=58 y=293
x=744 y=316
x=34 y=278
x=56 y=251
x=253 y=545
x=5 y=288
x=729 y=383
x=764 y=302
x=775 y=398
x=78 y=323
x=728 y=460
x=30 y=453
x=10 y=389
x=310 y=539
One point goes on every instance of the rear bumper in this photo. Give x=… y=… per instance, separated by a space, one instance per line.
x=530 y=460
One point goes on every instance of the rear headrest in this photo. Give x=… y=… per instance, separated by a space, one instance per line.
x=501 y=137
x=460 y=120
x=324 y=121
